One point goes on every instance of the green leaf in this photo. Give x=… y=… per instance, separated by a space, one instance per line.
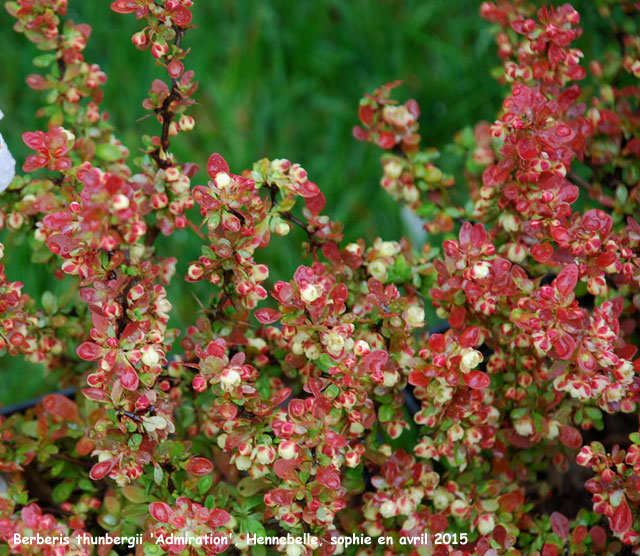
x=324 y=362
x=49 y=302
x=158 y=475
x=86 y=485
x=353 y=480
x=332 y=391
x=134 y=493
x=152 y=549
x=204 y=484
x=62 y=491
x=248 y=486
x=57 y=468
x=252 y=526
x=386 y=413
x=519 y=412
x=44 y=60
x=593 y=413
x=108 y=152
x=135 y=510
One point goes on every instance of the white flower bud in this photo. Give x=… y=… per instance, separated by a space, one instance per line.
x=415 y=316
x=287 y=449
x=471 y=358
x=243 y=463
x=310 y=293
x=378 y=269
x=486 y=524
x=388 y=509
x=120 y=202
x=480 y=270
x=150 y=356
x=229 y=379
x=393 y=169
x=524 y=426
x=295 y=550
x=222 y=180
x=388 y=249
x=334 y=343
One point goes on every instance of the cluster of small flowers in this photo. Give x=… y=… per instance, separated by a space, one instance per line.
x=25 y=330
x=409 y=174
x=615 y=486
x=97 y=221
x=31 y=524
x=544 y=54
x=190 y=520
x=239 y=220
x=292 y=416
x=553 y=344
x=73 y=102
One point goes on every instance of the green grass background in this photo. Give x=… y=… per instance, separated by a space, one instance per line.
x=279 y=78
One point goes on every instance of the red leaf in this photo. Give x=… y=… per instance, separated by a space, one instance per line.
x=129 y=378
x=102 y=469
x=366 y=112
x=182 y=16
x=280 y=396
x=542 y=252
x=606 y=259
x=477 y=380
x=559 y=524
x=359 y=133
x=598 y=536
x=579 y=534
x=386 y=140
x=217 y=164
x=160 y=511
x=31 y=515
x=328 y=477
x=95 y=394
x=308 y=189
x=470 y=337
x=88 y=351
x=335 y=440
x=85 y=446
x=218 y=517
x=418 y=378
x=266 y=315
x=570 y=437
x=566 y=281
x=199 y=466
x=622 y=519
x=34 y=139
x=285 y=468
x=57 y=220
x=413 y=107
x=457 y=317
x=60 y=406
x=514 y=438
x=281 y=496
x=124 y=6
x=564 y=345
x=316 y=203
x=527 y=149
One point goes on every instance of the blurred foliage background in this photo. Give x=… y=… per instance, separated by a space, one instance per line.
x=278 y=78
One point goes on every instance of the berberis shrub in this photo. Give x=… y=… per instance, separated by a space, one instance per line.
x=320 y=404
